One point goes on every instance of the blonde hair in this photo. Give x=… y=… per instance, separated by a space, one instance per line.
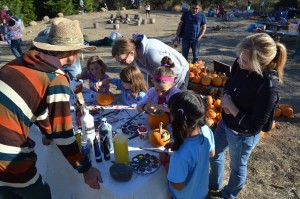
x=264 y=53
x=123 y=46
x=133 y=75
x=99 y=61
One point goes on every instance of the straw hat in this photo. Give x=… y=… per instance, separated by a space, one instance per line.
x=64 y=35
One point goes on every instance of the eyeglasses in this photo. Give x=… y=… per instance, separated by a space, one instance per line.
x=123 y=61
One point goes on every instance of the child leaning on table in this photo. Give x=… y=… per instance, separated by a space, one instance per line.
x=157 y=97
x=132 y=84
x=188 y=167
x=96 y=71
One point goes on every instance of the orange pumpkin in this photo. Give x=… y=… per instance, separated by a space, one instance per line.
x=211 y=114
x=217 y=81
x=217 y=103
x=155 y=119
x=209 y=100
x=159 y=137
x=105 y=99
x=196 y=79
x=191 y=76
x=288 y=112
x=277 y=112
x=205 y=80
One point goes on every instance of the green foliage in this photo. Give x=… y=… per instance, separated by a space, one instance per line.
x=56 y=6
x=28 y=11
x=285 y=4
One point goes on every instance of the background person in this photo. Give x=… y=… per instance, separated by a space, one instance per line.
x=4 y=23
x=147 y=9
x=14 y=34
x=194 y=29
x=248 y=103
x=147 y=55
x=193 y=145
x=36 y=90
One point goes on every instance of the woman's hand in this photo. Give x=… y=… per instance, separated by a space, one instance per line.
x=97 y=85
x=228 y=105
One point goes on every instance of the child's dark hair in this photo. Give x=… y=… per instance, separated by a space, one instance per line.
x=98 y=60
x=133 y=75
x=187 y=109
x=164 y=70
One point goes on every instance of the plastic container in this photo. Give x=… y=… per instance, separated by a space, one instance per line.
x=120 y=142
x=105 y=132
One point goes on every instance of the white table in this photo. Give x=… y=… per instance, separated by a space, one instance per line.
x=67 y=183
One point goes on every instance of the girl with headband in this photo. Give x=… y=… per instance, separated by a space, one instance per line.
x=157 y=97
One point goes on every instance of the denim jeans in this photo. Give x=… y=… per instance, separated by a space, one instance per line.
x=240 y=148
x=5 y=34
x=40 y=189
x=194 y=44
x=16 y=48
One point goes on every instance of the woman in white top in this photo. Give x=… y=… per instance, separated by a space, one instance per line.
x=147 y=9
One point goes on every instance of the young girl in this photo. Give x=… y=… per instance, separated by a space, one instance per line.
x=157 y=97
x=147 y=9
x=96 y=69
x=188 y=167
x=131 y=83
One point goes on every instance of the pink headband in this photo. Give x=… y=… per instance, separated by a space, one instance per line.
x=163 y=78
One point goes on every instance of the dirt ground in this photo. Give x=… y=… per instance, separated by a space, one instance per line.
x=274 y=167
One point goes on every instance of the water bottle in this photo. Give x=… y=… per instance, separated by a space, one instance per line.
x=105 y=131
x=87 y=125
x=97 y=151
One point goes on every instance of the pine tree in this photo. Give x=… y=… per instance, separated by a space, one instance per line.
x=28 y=11
x=56 y=6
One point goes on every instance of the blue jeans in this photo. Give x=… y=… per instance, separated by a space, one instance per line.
x=16 y=48
x=40 y=189
x=194 y=44
x=240 y=148
x=5 y=34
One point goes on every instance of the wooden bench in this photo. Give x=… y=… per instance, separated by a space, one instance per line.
x=222 y=67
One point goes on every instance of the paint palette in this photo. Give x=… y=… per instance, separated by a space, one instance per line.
x=131 y=128
x=145 y=163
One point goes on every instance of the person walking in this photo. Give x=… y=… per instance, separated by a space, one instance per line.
x=193 y=23
x=14 y=34
x=248 y=104
x=36 y=90
x=4 y=23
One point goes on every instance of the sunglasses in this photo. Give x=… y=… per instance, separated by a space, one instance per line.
x=123 y=61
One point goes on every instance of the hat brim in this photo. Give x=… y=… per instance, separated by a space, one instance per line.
x=41 y=43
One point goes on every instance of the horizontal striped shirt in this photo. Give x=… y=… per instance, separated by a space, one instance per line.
x=34 y=90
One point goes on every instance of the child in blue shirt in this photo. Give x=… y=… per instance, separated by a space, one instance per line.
x=188 y=167
x=132 y=84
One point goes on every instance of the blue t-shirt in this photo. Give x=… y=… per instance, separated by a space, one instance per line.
x=192 y=24
x=190 y=164
x=127 y=97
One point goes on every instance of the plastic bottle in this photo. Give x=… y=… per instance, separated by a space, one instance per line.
x=105 y=145
x=87 y=125
x=97 y=151
x=120 y=143
x=105 y=130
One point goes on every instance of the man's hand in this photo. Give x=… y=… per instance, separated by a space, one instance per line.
x=92 y=177
x=46 y=141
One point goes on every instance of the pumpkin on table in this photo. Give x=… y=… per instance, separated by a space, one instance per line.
x=159 y=137
x=105 y=99
x=155 y=119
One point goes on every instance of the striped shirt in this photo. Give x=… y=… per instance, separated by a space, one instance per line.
x=34 y=90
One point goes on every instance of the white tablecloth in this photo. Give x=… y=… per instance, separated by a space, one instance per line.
x=67 y=183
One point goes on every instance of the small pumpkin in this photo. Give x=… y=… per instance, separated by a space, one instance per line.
x=105 y=99
x=217 y=81
x=159 y=137
x=211 y=114
x=209 y=100
x=155 y=119
x=217 y=103
x=206 y=80
x=288 y=112
x=277 y=112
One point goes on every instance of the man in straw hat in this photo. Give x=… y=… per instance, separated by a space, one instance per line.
x=36 y=90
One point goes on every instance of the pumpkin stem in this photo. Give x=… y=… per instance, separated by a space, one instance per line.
x=160 y=127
